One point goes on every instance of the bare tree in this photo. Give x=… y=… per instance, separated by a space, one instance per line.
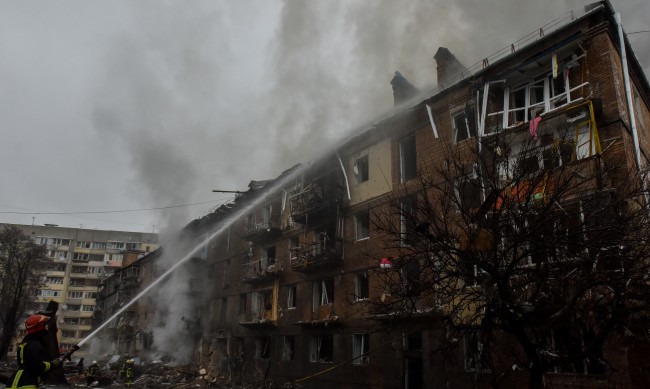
x=20 y=265
x=518 y=240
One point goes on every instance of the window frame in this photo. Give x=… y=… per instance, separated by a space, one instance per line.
x=362 y=225
x=291 y=296
x=361 y=289
x=361 y=168
x=316 y=344
x=360 y=349
x=408 y=158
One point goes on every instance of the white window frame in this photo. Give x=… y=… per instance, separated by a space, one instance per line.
x=361 y=167
x=361 y=226
x=455 y=129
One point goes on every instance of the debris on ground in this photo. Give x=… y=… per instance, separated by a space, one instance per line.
x=154 y=375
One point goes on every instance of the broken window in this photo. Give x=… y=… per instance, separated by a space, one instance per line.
x=360 y=349
x=361 y=169
x=408 y=220
x=362 y=225
x=361 y=286
x=269 y=257
x=585 y=144
x=291 y=296
x=288 y=343
x=321 y=349
x=408 y=161
x=263 y=347
x=323 y=296
x=322 y=243
x=463 y=123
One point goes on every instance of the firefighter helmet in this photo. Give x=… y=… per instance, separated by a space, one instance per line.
x=36 y=323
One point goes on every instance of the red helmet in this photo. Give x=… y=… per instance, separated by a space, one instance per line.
x=36 y=323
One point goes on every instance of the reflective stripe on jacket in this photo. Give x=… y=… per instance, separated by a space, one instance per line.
x=32 y=364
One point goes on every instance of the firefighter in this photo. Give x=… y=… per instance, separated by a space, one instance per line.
x=91 y=373
x=129 y=372
x=32 y=362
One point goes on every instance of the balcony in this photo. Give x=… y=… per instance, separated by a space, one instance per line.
x=316 y=256
x=323 y=316
x=261 y=270
x=263 y=319
x=259 y=232
x=315 y=201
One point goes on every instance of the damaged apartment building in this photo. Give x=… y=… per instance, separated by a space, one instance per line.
x=299 y=269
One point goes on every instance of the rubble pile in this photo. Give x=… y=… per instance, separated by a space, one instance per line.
x=154 y=375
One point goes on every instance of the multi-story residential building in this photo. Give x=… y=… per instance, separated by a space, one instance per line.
x=130 y=333
x=299 y=270
x=77 y=259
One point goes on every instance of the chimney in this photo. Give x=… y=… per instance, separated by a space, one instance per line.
x=449 y=69
x=402 y=89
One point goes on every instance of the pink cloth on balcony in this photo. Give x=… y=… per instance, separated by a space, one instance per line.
x=533 y=126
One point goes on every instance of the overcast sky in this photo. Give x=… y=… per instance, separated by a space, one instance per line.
x=116 y=105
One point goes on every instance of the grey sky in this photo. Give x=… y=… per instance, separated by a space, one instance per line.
x=118 y=105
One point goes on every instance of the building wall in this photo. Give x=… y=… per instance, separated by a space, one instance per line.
x=392 y=362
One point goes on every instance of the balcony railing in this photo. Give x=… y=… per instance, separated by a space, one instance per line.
x=315 y=200
x=260 y=270
x=260 y=319
x=261 y=231
x=316 y=255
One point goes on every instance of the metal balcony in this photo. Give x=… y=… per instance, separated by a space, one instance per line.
x=260 y=270
x=314 y=201
x=316 y=256
x=258 y=232
x=257 y=319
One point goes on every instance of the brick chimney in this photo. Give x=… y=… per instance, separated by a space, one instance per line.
x=449 y=69
x=402 y=89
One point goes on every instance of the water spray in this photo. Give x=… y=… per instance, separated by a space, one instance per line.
x=237 y=215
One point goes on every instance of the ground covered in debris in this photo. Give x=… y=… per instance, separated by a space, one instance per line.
x=145 y=376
